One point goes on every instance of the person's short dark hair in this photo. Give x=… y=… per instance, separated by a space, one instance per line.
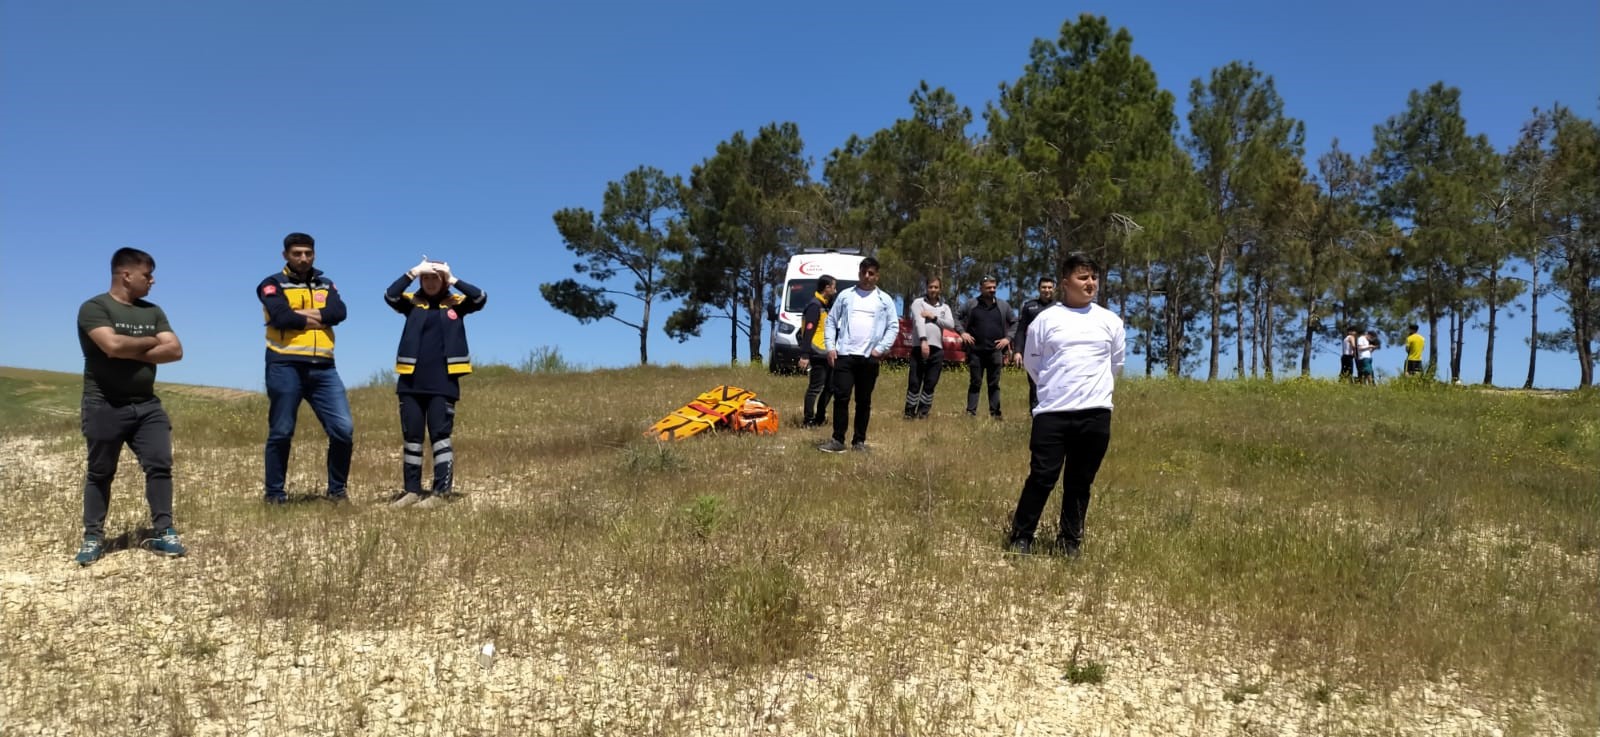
x=1413 y=327
x=299 y=239
x=128 y=258
x=868 y=263
x=825 y=282
x=1077 y=260
x=1046 y=280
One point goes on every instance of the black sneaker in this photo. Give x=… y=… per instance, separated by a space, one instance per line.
x=1020 y=547
x=1068 y=549
x=831 y=446
x=275 y=499
x=860 y=447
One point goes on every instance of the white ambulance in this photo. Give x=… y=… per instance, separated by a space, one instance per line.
x=799 y=286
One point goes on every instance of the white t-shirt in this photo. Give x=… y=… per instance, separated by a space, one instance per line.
x=1349 y=346
x=1074 y=355
x=862 y=317
x=1363 y=347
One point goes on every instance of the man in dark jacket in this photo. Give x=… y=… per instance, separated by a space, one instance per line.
x=814 y=356
x=1019 y=339
x=301 y=307
x=431 y=359
x=986 y=324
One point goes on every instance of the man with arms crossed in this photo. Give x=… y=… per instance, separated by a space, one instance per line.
x=862 y=326
x=301 y=307
x=1075 y=352
x=123 y=338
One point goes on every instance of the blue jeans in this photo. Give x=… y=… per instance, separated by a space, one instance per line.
x=289 y=382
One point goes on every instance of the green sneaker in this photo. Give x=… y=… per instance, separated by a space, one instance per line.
x=167 y=544
x=93 y=549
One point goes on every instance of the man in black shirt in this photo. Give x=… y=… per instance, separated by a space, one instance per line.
x=1019 y=339
x=986 y=325
x=123 y=337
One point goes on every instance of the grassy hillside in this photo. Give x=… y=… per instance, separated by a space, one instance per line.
x=1260 y=558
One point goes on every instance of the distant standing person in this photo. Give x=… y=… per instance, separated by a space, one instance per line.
x=123 y=338
x=814 y=355
x=1347 y=356
x=301 y=306
x=1414 y=345
x=1019 y=338
x=930 y=317
x=430 y=361
x=986 y=324
x=861 y=328
x=1366 y=343
x=1076 y=350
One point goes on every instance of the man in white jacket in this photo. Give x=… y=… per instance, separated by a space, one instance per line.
x=861 y=328
x=930 y=317
x=1075 y=351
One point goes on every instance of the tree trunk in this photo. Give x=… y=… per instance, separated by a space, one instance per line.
x=1149 y=321
x=1494 y=308
x=1238 y=321
x=1311 y=332
x=1216 y=314
x=1533 y=319
x=644 y=333
x=1458 y=327
x=1172 y=306
x=1267 y=329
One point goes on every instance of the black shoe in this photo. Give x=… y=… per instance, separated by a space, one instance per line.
x=831 y=446
x=972 y=413
x=859 y=446
x=996 y=416
x=1020 y=547
x=1068 y=549
x=275 y=499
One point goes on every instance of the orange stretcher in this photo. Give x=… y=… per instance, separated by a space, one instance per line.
x=724 y=406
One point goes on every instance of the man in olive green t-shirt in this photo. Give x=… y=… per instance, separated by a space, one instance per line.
x=123 y=338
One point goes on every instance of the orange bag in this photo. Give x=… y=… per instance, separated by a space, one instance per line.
x=755 y=416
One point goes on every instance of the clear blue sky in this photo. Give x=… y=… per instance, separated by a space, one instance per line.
x=204 y=131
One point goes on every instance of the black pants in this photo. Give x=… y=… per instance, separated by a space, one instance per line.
x=922 y=380
x=983 y=366
x=437 y=415
x=1033 y=393
x=818 y=391
x=858 y=374
x=142 y=426
x=1413 y=368
x=1072 y=441
x=1347 y=367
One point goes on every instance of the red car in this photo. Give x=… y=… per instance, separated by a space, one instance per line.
x=954 y=351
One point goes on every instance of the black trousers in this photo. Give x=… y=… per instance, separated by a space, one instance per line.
x=983 y=366
x=1347 y=367
x=142 y=426
x=436 y=415
x=1074 y=442
x=860 y=375
x=818 y=391
x=922 y=380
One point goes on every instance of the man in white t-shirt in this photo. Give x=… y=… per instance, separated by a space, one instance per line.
x=1075 y=351
x=861 y=328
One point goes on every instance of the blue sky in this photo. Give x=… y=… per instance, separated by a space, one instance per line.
x=205 y=131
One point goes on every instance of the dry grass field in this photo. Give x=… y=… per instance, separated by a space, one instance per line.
x=1298 y=558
